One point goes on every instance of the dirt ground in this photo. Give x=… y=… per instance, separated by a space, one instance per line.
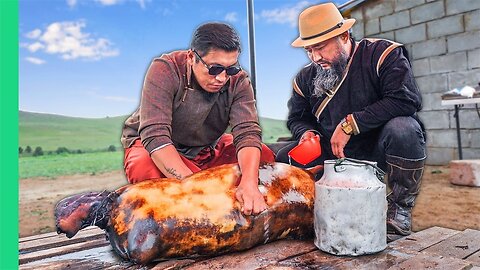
x=439 y=203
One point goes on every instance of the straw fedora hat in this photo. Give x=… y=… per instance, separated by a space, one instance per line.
x=319 y=23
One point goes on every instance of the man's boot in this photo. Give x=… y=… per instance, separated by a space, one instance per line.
x=404 y=177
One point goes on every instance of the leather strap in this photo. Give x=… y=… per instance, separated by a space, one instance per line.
x=331 y=93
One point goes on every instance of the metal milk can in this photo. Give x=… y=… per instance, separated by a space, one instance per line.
x=350 y=208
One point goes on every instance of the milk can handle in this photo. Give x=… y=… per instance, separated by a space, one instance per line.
x=378 y=172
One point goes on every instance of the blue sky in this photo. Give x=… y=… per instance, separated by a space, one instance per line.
x=88 y=58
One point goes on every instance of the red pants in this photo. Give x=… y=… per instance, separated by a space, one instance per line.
x=139 y=166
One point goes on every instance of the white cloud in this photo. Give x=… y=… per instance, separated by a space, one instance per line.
x=108 y=2
x=71 y=3
x=34 y=34
x=231 y=17
x=69 y=41
x=113 y=98
x=36 y=61
x=143 y=3
x=284 y=15
x=35 y=46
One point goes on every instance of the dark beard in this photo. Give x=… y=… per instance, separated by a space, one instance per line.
x=327 y=79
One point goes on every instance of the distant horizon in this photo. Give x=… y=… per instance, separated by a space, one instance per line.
x=110 y=116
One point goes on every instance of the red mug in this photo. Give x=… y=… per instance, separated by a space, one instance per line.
x=307 y=151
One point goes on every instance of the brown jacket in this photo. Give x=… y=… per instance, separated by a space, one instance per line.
x=191 y=119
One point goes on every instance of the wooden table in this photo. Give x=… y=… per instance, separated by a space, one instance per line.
x=433 y=248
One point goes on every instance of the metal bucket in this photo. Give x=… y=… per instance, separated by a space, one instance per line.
x=350 y=208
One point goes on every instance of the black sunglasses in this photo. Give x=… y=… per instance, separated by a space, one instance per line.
x=217 y=69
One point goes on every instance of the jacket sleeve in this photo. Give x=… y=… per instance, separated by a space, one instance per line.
x=159 y=87
x=399 y=93
x=300 y=117
x=246 y=130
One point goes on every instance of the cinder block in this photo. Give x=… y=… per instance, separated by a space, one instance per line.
x=357 y=14
x=435 y=119
x=468 y=119
x=474 y=137
x=372 y=27
x=358 y=30
x=432 y=83
x=386 y=35
x=427 y=12
x=459 y=6
x=464 y=41
x=446 y=138
x=406 y=4
x=471 y=153
x=432 y=47
x=465 y=172
x=421 y=67
x=432 y=102
x=411 y=34
x=473 y=59
x=449 y=63
x=395 y=21
x=439 y=156
x=472 y=20
x=460 y=79
x=445 y=26
x=378 y=9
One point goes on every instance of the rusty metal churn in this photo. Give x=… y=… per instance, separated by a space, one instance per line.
x=350 y=208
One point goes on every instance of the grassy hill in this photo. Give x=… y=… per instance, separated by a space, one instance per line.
x=51 y=131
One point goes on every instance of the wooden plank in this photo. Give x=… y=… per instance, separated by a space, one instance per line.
x=60 y=240
x=321 y=260
x=55 y=251
x=257 y=257
x=474 y=258
x=312 y=260
x=52 y=234
x=379 y=261
x=418 y=241
x=94 y=258
x=427 y=261
x=173 y=264
x=459 y=246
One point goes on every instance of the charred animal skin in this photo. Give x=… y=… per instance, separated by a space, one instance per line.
x=197 y=216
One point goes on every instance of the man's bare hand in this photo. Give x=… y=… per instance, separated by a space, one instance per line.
x=339 y=141
x=250 y=198
x=307 y=136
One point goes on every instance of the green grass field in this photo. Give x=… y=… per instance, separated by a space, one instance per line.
x=53 y=131
x=52 y=166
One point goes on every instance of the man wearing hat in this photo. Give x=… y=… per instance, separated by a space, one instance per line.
x=362 y=100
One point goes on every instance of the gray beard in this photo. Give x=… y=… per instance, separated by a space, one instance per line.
x=327 y=79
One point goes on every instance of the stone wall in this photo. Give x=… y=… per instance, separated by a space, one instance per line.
x=443 y=40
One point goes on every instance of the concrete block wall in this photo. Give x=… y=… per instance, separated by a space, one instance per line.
x=443 y=40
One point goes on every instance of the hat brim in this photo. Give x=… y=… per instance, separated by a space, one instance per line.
x=347 y=24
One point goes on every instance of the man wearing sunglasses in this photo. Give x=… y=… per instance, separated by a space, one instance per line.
x=362 y=99
x=189 y=99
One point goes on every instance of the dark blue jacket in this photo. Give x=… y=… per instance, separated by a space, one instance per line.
x=378 y=87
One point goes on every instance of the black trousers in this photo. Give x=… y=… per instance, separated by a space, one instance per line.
x=402 y=137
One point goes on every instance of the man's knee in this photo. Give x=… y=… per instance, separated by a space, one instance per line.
x=139 y=166
x=403 y=129
x=403 y=136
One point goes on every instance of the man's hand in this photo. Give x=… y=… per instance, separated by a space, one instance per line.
x=250 y=198
x=338 y=141
x=306 y=136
